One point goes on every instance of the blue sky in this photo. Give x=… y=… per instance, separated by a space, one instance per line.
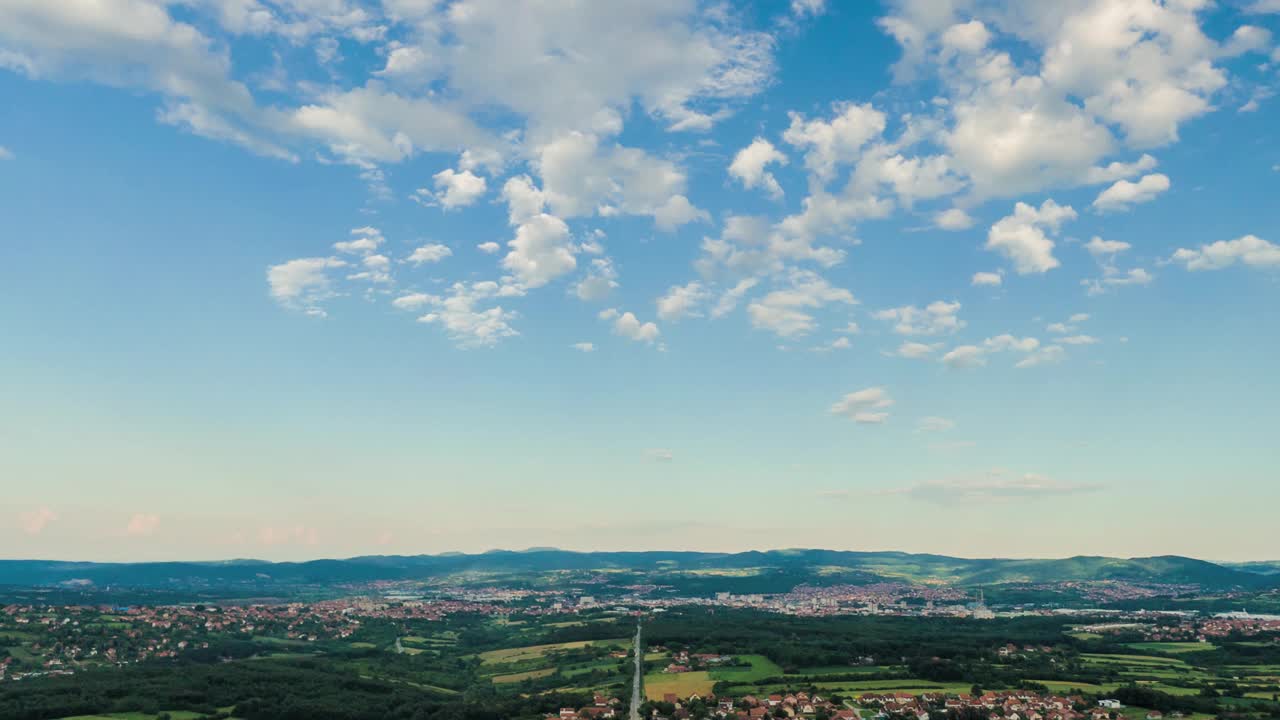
x=292 y=278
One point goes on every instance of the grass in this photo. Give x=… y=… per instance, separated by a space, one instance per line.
x=1117 y=658
x=682 y=684
x=1064 y=685
x=531 y=652
x=517 y=677
x=1173 y=648
x=761 y=667
x=818 y=672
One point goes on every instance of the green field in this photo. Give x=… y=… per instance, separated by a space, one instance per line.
x=532 y=652
x=761 y=667
x=682 y=684
x=1173 y=648
x=517 y=677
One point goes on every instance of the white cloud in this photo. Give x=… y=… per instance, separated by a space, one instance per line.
x=1078 y=340
x=808 y=8
x=585 y=347
x=839 y=141
x=5 y=153
x=987 y=279
x=629 y=326
x=456 y=189
x=965 y=356
x=1112 y=277
x=935 y=424
x=1124 y=194
x=304 y=281
x=749 y=165
x=1022 y=236
x=681 y=301
x=366 y=240
x=489 y=248
x=581 y=178
x=731 y=297
x=915 y=350
x=142 y=525
x=785 y=311
x=1044 y=356
x=953 y=219
x=936 y=318
x=467 y=324
x=541 y=251
x=1249 y=250
x=34 y=522
x=430 y=253
x=600 y=281
x=414 y=301
x=1098 y=247
x=1006 y=342
x=864 y=406
x=677 y=211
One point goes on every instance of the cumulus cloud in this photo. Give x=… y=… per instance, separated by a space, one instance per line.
x=1124 y=194
x=953 y=219
x=455 y=189
x=1249 y=250
x=867 y=406
x=600 y=281
x=936 y=318
x=430 y=253
x=915 y=350
x=5 y=153
x=541 y=251
x=682 y=301
x=828 y=144
x=965 y=356
x=748 y=166
x=786 y=312
x=986 y=279
x=1098 y=247
x=1023 y=237
x=303 y=282
x=461 y=315
x=627 y=325
x=585 y=347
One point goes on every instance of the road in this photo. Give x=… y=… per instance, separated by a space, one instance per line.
x=635 y=687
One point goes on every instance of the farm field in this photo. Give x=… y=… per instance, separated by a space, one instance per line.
x=761 y=667
x=1174 y=648
x=517 y=677
x=682 y=684
x=532 y=652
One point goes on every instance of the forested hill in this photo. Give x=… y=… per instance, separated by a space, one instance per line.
x=801 y=565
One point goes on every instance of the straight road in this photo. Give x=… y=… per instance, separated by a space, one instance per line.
x=635 y=686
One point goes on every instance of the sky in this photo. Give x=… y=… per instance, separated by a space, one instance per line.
x=289 y=279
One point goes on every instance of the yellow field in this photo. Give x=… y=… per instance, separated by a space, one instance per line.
x=532 y=652
x=682 y=684
x=517 y=677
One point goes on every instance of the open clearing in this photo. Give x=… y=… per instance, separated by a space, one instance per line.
x=682 y=684
x=532 y=652
x=1174 y=648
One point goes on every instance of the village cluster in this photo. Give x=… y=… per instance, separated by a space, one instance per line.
x=1014 y=705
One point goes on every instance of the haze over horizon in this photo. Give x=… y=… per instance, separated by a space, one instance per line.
x=289 y=279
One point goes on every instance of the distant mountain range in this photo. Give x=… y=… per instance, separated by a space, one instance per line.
x=794 y=566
